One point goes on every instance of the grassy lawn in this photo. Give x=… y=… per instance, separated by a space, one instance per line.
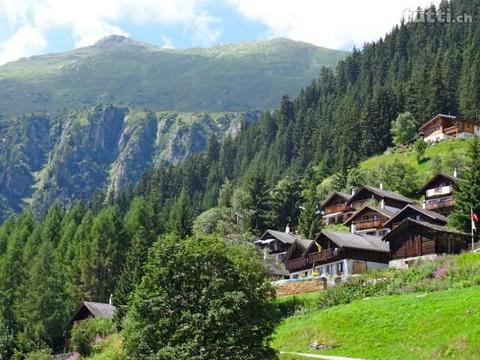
x=407 y=156
x=441 y=325
x=110 y=349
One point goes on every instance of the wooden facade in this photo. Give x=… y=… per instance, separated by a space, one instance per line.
x=369 y=219
x=443 y=127
x=335 y=208
x=414 y=238
x=439 y=193
x=416 y=213
x=369 y=193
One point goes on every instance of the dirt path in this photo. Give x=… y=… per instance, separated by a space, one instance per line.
x=325 y=357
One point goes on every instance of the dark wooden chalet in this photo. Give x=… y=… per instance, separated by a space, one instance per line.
x=413 y=238
x=439 y=193
x=89 y=309
x=337 y=254
x=443 y=127
x=417 y=213
x=370 y=220
x=387 y=198
x=276 y=243
x=335 y=209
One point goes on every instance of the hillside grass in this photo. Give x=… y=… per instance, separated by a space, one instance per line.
x=442 y=155
x=109 y=349
x=406 y=155
x=439 y=325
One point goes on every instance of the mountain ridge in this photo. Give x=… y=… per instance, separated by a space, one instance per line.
x=121 y=71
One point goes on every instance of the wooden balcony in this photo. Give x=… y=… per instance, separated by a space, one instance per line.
x=315 y=258
x=335 y=209
x=369 y=224
x=440 y=203
x=321 y=256
x=296 y=264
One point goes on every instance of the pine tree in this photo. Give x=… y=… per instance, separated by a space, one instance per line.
x=309 y=224
x=468 y=196
x=181 y=216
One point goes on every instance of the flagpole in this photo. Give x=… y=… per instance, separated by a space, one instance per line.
x=472 y=224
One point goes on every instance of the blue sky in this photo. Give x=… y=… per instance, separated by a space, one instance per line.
x=31 y=27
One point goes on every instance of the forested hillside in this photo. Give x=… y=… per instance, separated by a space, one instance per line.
x=267 y=176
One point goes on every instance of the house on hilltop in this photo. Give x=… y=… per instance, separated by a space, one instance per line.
x=443 y=127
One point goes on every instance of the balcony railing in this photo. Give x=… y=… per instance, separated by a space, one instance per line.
x=315 y=258
x=369 y=224
x=321 y=256
x=296 y=264
x=440 y=203
x=335 y=209
x=439 y=191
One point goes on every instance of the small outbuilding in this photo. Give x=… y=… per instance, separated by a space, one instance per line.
x=87 y=310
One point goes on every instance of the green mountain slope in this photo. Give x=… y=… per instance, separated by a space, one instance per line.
x=67 y=156
x=121 y=71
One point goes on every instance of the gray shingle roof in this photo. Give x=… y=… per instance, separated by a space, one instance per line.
x=339 y=193
x=100 y=310
x=287 y=238
x=357 y=241
x=431 y=214
x=388 y=211
x=388 y=194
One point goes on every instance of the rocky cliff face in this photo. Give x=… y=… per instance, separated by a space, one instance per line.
x=65 y=157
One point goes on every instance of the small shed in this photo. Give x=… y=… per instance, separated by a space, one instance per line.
x=87 y=310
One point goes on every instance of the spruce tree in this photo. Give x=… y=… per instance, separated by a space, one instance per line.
x=468 y=196
x=181 y=216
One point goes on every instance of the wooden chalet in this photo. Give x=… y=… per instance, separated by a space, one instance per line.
x=439 y=193
x=335 y=209
x=443 y=127
x=337 y=254
x=275 y=244
x=417 y=213
x=369 y=193
x=413 y=239
x=87 y=310
x=370 y=220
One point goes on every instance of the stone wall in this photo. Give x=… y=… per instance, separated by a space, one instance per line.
x=294 y=287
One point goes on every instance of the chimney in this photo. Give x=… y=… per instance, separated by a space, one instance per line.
x=353 y=191
x=287 y=229
x=353 y=227
x=455 y=173
x=110 y=301
x=381 y=186
x=382 y=204
x=424 y=204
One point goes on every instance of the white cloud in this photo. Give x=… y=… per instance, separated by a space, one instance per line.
x=89 y=20
x=167 y=43
x=26 y=41
x=329 y=23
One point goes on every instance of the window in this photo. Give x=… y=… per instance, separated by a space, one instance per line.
x=340 y=268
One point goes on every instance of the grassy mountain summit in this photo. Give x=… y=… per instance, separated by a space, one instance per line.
x=118 y=70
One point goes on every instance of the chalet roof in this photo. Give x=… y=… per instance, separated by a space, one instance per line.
x=381 y=193
x=303 y=244
x=431 y=214
x=98 y=310
x=388 y=211
x=434 y=178
x=435 y=118
x=286 y=238
x=357 y=241
x=336 y=193
x=407 y=222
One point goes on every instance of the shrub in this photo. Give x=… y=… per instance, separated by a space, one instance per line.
x=84 y=333
x=43 y=354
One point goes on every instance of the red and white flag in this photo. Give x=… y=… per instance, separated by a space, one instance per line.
x=474 y=218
